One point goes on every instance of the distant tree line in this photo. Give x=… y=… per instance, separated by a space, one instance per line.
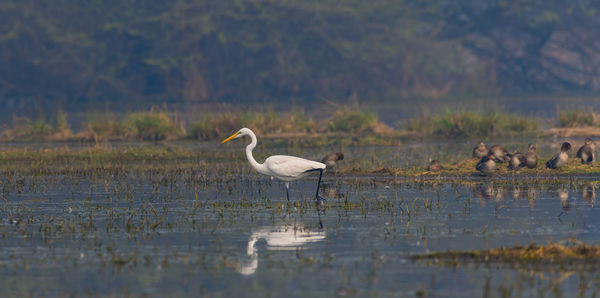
x=219 y=50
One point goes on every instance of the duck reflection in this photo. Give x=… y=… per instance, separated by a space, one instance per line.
x=588 y=193
x=277 y=238
x=517 y=193
x=489 y=191
x=332 y=191
x=532 y=195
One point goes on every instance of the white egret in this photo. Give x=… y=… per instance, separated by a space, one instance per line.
x=283 y=167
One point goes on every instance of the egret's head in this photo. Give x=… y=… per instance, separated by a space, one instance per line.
x=242 y=132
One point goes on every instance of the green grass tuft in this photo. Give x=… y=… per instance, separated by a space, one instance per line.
x=151 y=126
x=26 y=129
x=215 y=127
x=472 y=124
x=222 y=125
x=577 y=118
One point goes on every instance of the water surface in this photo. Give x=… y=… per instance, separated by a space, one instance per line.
x=230 y=232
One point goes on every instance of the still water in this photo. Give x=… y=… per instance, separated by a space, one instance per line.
x=227 y=233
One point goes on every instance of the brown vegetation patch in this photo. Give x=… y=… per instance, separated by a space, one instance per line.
x=585 y=131
x=573 y=251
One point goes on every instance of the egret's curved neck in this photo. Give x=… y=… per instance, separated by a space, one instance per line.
x=257 y=166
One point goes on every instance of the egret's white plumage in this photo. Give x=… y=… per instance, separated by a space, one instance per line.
x=290 y=168
x=283 y=167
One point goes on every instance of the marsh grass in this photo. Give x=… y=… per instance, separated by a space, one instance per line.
x=212 y=127
x=347 y=120
x=472 y=124
x=104 y=127
x=270 y=124
x=572 y=251
x=345 y=125
x=23 y=128
x=160 y=124
x=153 y=126
x=577 y=118
x=146 y=126
x=233 y=161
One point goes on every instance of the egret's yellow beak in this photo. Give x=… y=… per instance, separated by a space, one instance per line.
x=231 y=137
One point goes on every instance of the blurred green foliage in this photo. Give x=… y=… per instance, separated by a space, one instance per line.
x=472 y=124
x=152 y=126
x=184 y=50
x=26 y=129
x=353 y=121
x=577 y=118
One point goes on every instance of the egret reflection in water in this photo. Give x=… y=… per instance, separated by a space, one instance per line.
x=277 y=238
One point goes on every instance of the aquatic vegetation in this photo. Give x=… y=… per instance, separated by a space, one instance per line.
x=343 y=125
x=151 y=215
x=102 y=127
x=27 y=129
x=472 y=124
x=572 y=251
x=216 y=126
x=152 y=126
x=212 y=127
x=157 y=125
x=346 y=120
x=577 y=118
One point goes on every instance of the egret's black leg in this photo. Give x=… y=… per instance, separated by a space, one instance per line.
x=287 y=190
x=320 y=221
x=317 y=197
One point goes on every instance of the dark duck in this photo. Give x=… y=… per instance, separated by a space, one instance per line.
x=480 y=151
x=561 y=158
x=586 y=152
x=330 y=159
x=516 y=161
x=486 y=165
x=499 y=154
x=434 y=166
x=531 y=157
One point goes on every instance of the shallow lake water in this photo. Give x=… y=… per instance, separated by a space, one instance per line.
x=232 y=232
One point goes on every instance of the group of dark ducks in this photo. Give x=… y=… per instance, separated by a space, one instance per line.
x=497 y=154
